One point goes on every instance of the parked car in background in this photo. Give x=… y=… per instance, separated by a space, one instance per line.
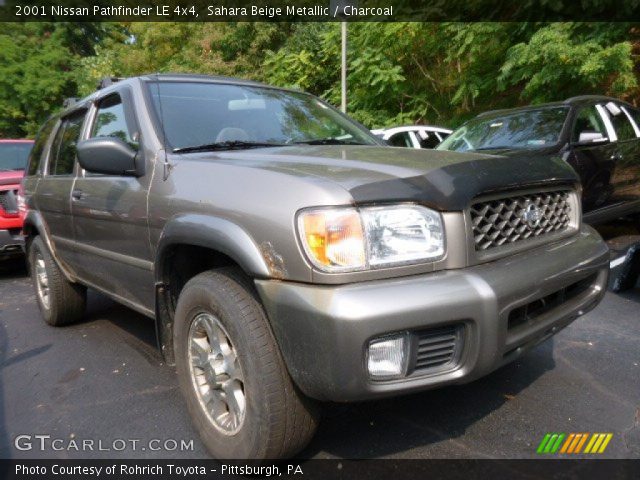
x=598 y=136
x=289 y=258
x=13 y=160
x=413 y=136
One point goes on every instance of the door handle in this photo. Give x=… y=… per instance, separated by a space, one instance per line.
x=77 y=194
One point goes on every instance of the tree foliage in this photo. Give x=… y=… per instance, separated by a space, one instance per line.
x=440 y=73
x=559 y=60
x=39 y=68
x=444 y=73
x=233 y=49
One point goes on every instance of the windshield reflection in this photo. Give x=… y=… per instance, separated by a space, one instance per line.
x=519 y=130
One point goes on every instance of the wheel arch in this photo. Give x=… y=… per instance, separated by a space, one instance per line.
x=190 y=244
x=34 y=225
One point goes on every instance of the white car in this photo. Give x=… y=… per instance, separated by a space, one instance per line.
x=413 y=136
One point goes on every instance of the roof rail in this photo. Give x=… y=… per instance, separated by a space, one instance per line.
x=69 y=102
x=107 y=82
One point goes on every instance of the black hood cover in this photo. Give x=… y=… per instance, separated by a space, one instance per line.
x=452 y=187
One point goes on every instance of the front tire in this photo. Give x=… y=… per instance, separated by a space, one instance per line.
x=238 y=391
x=61 y=302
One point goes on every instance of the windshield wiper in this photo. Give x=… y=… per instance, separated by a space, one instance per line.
x=327 y=141
x=230 y=145
x=496 y=147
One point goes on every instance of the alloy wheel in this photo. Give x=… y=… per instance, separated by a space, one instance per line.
x=216 y=373
x=42 y=280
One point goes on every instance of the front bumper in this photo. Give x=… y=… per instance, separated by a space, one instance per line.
x=11 y=243
x=323 y=331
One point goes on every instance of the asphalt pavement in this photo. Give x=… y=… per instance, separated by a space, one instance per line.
x=102 y=381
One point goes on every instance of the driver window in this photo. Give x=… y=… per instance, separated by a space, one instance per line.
x=588 y=120
x=111 y=121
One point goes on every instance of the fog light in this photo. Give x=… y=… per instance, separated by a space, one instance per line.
x=386 y=357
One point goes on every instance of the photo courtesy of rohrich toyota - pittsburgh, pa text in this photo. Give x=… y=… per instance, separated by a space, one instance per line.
x=320 y=239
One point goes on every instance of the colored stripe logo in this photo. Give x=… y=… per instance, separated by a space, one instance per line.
x=574 y=443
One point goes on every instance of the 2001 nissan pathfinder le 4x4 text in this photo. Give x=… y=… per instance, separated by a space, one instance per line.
x=288 y=258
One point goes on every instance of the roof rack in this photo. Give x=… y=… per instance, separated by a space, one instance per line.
x=69 y=102
x=107 y=82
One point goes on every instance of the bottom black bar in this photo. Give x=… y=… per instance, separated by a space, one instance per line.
x=322 y=469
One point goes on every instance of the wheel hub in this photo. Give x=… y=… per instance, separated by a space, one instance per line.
x=216 y=374
x=42 y=280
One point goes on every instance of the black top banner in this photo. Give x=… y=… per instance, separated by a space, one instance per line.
x=320 y=10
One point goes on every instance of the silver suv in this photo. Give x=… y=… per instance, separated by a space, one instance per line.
x=288 y=258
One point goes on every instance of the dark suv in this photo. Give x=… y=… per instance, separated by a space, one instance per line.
x=287 y=257
x=598 y=136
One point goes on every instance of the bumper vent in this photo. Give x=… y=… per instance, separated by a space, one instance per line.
x=509 y=220
x=532 y=311
x=437 y=349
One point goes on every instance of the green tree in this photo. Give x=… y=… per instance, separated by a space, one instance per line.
x=441 y=73
x=444 y=73
x=38 y=69
x=564 y=59
x=216 y=48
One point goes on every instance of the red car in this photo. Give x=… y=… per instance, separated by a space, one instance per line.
x=13 y=161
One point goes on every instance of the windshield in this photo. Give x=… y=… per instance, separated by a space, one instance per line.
x=235 y=116
x=526 y=129
x=13 y=156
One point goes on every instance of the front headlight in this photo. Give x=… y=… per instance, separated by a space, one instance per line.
x=349 y=239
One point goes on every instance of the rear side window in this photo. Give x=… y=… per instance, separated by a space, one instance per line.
x=635 y=114
x=38 y=148
x=622 y=125
x=111 y=121
x=65 y=145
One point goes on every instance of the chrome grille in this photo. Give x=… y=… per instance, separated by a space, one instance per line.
x=437 y=349
x=502 y=221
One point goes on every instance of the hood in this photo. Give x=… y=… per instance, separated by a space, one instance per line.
x=441 y=179
x=11 y=178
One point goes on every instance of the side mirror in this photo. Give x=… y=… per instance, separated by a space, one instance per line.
x=109 y=156
x=589 y=138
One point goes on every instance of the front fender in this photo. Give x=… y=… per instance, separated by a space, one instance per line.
x=205 y=231
x=216 y=233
